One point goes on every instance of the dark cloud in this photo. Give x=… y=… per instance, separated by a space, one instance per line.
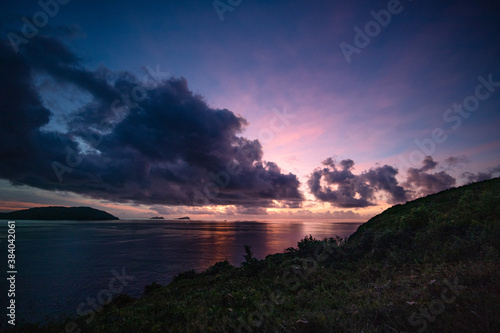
x=480 y=176
x=25 y=151
x=307 y=214
x=454 y=161
x=251 y=211
x=428 y=164
x=384 y=178
x=133 y=142
x=424 y=183
x=337 y=184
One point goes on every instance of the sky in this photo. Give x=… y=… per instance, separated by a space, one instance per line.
x=238 y=109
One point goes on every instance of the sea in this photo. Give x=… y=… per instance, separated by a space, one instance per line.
x=66 y=268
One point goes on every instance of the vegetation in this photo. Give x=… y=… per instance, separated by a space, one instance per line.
x=429 y=265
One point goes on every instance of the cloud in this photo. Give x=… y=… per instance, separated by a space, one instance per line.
x=181 y=210
x=423 y=183
x=428 y=164
x=146 y=142
x=336 y=184
x=480 y=176
x=384 y=178
x=339 y=214
x=454 y=161
x=251 y=211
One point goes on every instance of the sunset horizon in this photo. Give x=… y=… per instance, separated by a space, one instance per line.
x=351 y=122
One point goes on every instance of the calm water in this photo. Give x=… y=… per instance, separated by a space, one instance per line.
x=62 y=263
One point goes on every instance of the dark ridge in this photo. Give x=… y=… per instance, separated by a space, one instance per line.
x=59 y=213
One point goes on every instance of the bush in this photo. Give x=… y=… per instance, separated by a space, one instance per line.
x=219 y=267
x=251 y=264
x=151 y=287
x=310 y=246
x=191 y=274
x=121 y=301
x=249 y=258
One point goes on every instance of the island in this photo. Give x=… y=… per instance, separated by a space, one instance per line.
x=59 y=213
x=184 y=218
x=157 y=218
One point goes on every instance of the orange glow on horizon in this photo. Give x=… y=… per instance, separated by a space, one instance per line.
x=9 y=206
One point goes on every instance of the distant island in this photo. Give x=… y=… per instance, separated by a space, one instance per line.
x=184 y=218
x=157 y=218
x=59 y=213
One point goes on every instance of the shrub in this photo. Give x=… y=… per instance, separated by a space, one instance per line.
x=191 y=274
x=151 y=287
x=122 y=300
x=249 y=259
x=219 y=267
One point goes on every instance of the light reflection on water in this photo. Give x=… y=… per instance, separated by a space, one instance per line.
x=61 y=263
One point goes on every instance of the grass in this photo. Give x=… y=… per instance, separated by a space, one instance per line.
x=429 y=265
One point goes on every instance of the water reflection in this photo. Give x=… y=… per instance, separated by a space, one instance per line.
x=62 y=263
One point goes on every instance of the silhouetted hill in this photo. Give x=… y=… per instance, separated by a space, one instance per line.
x=59 y=213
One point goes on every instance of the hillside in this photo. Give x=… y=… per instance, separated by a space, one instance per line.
x=430 y=265
x=59 y=213
x=457 y=222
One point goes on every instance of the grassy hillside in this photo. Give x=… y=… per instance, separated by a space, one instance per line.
x=430 y=265
x=450 y=225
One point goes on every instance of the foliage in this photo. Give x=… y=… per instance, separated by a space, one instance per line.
x=191 y=274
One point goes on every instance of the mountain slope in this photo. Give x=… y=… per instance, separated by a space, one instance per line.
x=462 y=221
